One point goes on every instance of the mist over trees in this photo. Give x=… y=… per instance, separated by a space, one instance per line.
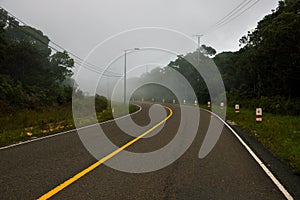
x=264 y=72
x=30 y=76
x=167 y=75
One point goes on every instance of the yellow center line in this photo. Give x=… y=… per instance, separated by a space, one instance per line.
x=99 y=162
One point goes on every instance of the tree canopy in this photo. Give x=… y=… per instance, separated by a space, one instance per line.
x=31 y=75
x=265 y=71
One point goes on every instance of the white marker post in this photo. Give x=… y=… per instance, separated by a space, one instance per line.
x=222 y=105
x=237 y=108
x=208 y=104
x=196 y=103
x=174 y=101
x=184 y=101
x=259 y=115
x=113 y=110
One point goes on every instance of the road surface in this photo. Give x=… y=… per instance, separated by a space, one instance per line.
x=31 y=170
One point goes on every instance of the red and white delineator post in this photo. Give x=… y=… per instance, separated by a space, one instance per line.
x=258 y=114
x=237 y=108
x=222 y=105
x=196 y=103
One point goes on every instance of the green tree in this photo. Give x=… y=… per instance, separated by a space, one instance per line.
x=29 y=76
x=207 y=50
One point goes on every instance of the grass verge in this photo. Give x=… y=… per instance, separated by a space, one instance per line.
x=278 y=133
x=27 y=124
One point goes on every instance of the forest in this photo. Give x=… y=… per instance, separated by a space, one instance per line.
x=265 y=72
x=36 y=84
x=31 y=76
x=267 y=67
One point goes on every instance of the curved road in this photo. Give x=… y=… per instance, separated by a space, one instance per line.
x=30 y=170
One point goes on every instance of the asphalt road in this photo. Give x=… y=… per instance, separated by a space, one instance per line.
x=30 y=170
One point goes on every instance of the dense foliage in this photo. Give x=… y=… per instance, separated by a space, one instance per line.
x=166 y=75
x=30 y=75
x=264 y=72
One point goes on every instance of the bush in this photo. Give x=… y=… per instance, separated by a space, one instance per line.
x=274 y=104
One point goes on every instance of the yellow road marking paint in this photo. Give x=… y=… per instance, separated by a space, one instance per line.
x=99 y=162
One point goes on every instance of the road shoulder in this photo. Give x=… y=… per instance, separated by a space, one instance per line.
x=282 y=171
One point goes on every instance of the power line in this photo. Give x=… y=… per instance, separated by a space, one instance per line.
x=233 y=14
x=53 y=48
x=235 y=10
x=76 y=58
x=234 y=17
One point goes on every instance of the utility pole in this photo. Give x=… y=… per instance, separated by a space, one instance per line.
x=198 y=38
x=107 y=85
x=125 y=54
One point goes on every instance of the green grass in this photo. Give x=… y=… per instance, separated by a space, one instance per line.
x=27 y=124
x=278 y=133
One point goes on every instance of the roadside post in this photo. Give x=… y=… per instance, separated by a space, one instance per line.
x=237 y=108
x=196 y=103
x=208 y=104
x=259 y=115
x=222 y=105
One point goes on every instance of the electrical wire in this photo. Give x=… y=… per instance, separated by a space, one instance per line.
x=77 y=59
x=233 y=14
x=234 y=17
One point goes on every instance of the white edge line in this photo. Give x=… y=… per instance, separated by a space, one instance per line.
x=65 y=132
x=256 y=158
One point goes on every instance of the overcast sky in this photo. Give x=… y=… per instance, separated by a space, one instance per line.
x=82 y=25
x=78 y=25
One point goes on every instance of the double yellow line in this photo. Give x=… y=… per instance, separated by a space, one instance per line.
x=99 y=162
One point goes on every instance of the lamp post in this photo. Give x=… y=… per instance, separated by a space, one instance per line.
x=125 y=54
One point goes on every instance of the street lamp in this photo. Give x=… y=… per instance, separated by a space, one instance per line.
x=125 y=54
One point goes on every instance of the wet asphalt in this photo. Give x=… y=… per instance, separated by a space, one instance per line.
x=30 y=170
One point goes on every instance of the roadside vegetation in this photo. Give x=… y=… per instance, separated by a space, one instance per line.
x=26 y=124
x=278 y=133
x=264 y=73
x=36 y=87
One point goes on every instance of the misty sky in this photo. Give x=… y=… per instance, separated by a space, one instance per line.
x=78 y=25
x=82 y=26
